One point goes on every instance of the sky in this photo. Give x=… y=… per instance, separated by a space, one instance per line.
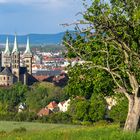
x=37 y=16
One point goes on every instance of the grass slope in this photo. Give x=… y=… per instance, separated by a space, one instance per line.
x=38 y=131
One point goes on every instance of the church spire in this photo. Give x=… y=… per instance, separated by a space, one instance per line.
x=15 y=48
x=7 y=50
x=28 y=50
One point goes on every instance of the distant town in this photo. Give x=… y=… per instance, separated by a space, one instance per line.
x=48 y=62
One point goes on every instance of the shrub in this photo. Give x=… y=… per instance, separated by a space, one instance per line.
x=79 y=109
x=101 y=123
x=43 y=119
x=97 y=108
x=7 y=116
x=25 y=116
x=87 y=123
x=119 y=112
x=59 y=117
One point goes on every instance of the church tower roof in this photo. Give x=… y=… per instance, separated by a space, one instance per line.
x=15 y=48
x=7 y=50
x=28 y=50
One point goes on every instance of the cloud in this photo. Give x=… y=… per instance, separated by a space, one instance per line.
x=60 y=2
x=40 y=16
x=37 y=5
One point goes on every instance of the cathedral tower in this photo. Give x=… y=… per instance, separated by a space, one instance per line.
x=27 y=57
x=15 y=56
x=6 y=55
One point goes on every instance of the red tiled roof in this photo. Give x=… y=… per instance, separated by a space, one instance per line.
x=52 y=105
x=44 y=112
x=62 y=103
x=41 y=77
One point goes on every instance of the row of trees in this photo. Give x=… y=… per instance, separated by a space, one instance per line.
x=86 y=107
x=36 y=97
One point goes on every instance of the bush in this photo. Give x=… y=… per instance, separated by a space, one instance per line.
x=79 y=109
x=97 y=108
x=43 y=119
x=119 y=112
x=25 y=116
x=87 y=123
x=101 y=123
x=88 y=111
x=59 y=117
x=7 y=116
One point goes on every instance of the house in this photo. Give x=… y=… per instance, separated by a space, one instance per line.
x=63 y=106
x=21 y=107
x=110 y=102
x=53 y=106
x=44 y=112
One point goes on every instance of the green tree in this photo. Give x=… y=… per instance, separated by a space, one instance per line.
x=110 y=42
x=41 y=94
x=79 y=109
x=97 y=108
x=119 y=111
x=13 y=95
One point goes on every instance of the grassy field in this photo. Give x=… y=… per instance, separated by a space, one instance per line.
x=39 y=131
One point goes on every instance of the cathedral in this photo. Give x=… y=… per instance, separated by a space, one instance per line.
x=13 y=67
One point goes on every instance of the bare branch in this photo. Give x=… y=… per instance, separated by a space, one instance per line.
x=73 y=49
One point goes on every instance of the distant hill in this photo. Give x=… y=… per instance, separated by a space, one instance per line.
x=39 y=39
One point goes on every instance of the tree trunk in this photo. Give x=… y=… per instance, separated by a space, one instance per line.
x=133 y=115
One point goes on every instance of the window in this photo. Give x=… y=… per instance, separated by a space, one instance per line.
x=8 y=78
x=3 y=78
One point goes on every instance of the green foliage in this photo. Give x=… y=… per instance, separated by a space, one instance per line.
x=7 y=116
x=36 y=97
x=11 y=97
x=59 y=117
x=119 y=111
x=97 y=108
x=85 y=82
x=84 y=111
x=41 y=94
x=79 y=109
x=26 y=116
x=109 y=43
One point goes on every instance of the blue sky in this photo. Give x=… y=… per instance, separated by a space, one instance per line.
x=37 y=16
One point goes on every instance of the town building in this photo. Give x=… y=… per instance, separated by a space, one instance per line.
x=11 y=70
x=63 y=106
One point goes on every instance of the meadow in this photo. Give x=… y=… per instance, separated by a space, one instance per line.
x=40 y=131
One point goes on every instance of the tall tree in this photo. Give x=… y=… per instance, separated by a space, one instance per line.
x=110 y=41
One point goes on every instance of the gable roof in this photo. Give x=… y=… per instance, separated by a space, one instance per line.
x=52 y=105
x=62 y=103
x=6 y=71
